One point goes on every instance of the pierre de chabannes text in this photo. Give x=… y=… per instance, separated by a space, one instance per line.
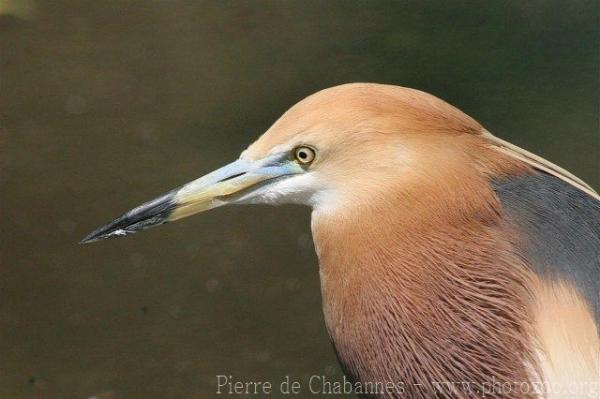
x=323 y=385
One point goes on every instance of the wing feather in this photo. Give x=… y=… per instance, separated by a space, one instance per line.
x=558 y=226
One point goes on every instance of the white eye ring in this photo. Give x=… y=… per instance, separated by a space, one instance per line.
x=304 y=155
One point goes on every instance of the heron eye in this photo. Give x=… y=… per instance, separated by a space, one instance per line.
x=304 y=155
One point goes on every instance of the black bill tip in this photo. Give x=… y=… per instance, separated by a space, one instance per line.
x=149 y=214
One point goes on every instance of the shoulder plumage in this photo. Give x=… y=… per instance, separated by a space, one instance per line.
x=558 y=229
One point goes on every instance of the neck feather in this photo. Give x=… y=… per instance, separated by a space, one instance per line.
x=418 y=293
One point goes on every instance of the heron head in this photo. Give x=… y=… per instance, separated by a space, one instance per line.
x=334 y=148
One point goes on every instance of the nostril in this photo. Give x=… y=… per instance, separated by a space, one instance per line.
x=232 y=177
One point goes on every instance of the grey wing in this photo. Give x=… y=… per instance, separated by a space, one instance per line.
x=559 y=230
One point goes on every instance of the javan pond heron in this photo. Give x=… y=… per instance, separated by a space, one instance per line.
x=446 y=255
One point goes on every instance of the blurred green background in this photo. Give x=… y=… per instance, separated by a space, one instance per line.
x=105 y=104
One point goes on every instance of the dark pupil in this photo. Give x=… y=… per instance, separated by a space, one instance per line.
x=302 y=154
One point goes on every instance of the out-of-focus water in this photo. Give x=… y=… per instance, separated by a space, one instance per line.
x=105 y=104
